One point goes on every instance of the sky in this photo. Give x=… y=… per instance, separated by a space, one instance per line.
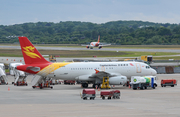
x=95 y=11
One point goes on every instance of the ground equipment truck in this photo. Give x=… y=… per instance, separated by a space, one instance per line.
x=168 y=82
x=142 y=82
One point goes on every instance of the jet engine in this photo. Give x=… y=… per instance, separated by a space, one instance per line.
x=118 y=80
x=87 y=46
x=84 y=78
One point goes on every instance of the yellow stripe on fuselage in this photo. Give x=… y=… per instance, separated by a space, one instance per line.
x=51 y=68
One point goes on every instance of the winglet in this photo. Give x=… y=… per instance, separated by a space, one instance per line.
x=30 y=53
x=98 y=38
x=96 y=71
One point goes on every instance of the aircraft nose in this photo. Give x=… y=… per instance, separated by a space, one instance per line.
x=153 y=72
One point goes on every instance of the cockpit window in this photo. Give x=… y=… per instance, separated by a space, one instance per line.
x=147 y=67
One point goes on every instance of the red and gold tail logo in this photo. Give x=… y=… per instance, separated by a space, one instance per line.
x=29 y=51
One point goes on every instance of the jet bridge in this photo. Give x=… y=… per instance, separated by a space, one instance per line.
x=3 y=78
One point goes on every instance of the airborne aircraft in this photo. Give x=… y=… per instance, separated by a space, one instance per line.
x=93 y=72
x=96 y=44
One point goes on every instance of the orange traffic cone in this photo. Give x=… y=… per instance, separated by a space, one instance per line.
x=8 y=89
x=98 y=89
x=129 y=86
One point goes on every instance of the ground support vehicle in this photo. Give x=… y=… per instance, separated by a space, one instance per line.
x=52 y=58
x=43 y=85
x=139 y=82
x=105 y=83
x=116 y=94
x=40 y=82
x=168 y=82
x=108 y=94
x=3 y=78
x=19 y=76
x=55 y=82
x=88 y=93
x=59 y=81
x=21 y=83
x=3 y=82
x=69 y=82
x=141 y=86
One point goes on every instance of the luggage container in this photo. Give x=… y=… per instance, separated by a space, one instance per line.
x=168 y=82
x=116 y=94
x=108 y=94
x=88 y=93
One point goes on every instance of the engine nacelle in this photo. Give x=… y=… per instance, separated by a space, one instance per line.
x=84 y=78
x=118 y=80
x=87 y=46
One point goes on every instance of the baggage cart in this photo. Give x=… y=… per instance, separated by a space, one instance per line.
x=107 y=94
x=116 y=94
x=88 y=93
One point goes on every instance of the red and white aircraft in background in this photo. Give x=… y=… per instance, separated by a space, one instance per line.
x=96 y=44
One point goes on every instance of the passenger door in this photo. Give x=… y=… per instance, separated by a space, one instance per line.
x=138 y=67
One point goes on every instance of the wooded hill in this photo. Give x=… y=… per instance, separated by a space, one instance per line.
x=74 y=32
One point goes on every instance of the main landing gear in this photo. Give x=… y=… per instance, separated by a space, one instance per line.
x=84 y=85
x=96 y=85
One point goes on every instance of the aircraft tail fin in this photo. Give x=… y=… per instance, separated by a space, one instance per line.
x=30 y=53
x=98 y=38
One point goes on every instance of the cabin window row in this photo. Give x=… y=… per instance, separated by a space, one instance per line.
x=91 y=68
x=122 y=64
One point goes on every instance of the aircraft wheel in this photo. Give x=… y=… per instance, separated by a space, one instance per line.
x=85 y=85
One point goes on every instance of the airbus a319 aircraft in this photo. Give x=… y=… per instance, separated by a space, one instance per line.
x=118 y=72
x=96 y=44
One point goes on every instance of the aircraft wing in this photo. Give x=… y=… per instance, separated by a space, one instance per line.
x=85 y=45
x=101 y=74
x=104 y=44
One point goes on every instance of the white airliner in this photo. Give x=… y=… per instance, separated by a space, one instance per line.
x=118 y=72
x=96 y=44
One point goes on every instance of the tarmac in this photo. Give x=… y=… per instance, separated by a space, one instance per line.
x=65 y=101
x=95 y=49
